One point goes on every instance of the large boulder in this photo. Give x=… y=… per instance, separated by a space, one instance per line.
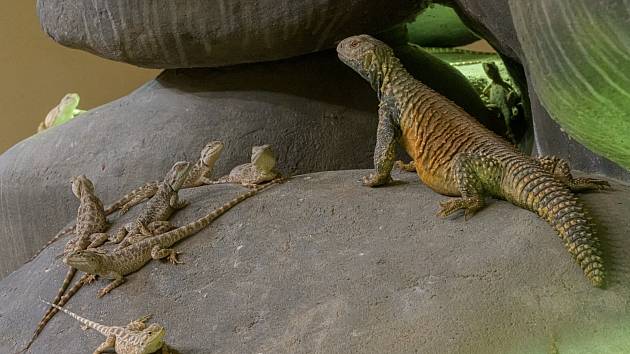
x=576 y=54
x=536 y=68
x=210 y=33
x=322 y=264
x=316 y=113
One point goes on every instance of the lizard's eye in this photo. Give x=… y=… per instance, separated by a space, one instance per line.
x=354 y=44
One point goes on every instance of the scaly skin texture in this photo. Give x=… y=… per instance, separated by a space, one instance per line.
x=135 y=338
x=90 y=232
x=117 y=264
x=456 y=156
x=261 y=169
x=199 y=175
x=159 y=208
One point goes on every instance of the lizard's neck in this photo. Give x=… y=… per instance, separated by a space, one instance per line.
x=391 y=74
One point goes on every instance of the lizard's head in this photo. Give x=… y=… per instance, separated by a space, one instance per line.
x=177 y=174
x=367 y=56
x=80 y=184
x=211 y=152
x=263 y=157
x=154 y=338
x=85 y=261
x=492 y=70
x=69 y=101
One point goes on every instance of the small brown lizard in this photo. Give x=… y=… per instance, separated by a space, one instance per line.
x=117 y=264
x=90 y=232
x=159 y=208
x=134 y=338
x=261 y=169
x=199 y=175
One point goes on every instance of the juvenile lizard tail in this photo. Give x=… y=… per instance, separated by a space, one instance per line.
x=535 y=189
x=60 y=301
x=97 y=326
x=190 y=229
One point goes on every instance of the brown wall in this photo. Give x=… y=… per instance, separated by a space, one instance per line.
x=35 y=72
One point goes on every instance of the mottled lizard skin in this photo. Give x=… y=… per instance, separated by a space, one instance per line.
x=90 y=232
x=134 y=338
x=117 y=264
x=261 y=169
x=160 y=207
x=455 y=155
x=199 y=174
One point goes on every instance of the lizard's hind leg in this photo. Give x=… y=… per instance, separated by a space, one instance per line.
x=108 y=344
x=561 y=171
x=476 y=176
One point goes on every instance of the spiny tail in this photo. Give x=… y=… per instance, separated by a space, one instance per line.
x=195 y=226
x=95 y=325
x=144 y=189
x=53 y=310
x=553 y=201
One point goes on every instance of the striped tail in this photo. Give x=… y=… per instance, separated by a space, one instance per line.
x=148 y=189
x=538 y=191
x=196 y=226
x=95 y=325
x=53 y=310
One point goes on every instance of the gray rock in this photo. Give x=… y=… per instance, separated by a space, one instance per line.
x=324 y=265
x=317 y=113
x=210 y=33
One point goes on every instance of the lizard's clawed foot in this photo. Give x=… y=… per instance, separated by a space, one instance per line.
x=375 y=180
x=90 y=278
x=102 y=293
x=470 y=206
x=172 y=258
x=408 y=167
x=581 y=184
x=123 y=210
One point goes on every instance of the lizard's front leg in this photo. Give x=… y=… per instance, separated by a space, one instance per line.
x=177 y=203
x=139 y=324
x=385 y=149
x=158 y=253
x=408 y=167
x=475 y=176
x=118 y=280
x=121 y=233
x=98 y=239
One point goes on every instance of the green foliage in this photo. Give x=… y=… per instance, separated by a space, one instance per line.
x=577 y=54
x=439 y=26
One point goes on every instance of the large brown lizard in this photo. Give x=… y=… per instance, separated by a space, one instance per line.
x=159 y=208
x=90 y=232
x=261 y=169
x=456 y=156
x=117 y=264
x=198 y=175
x=135 y=338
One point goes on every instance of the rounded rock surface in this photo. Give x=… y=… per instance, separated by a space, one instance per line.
x=315 y=112
x=211 y=33
x=321 y=264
